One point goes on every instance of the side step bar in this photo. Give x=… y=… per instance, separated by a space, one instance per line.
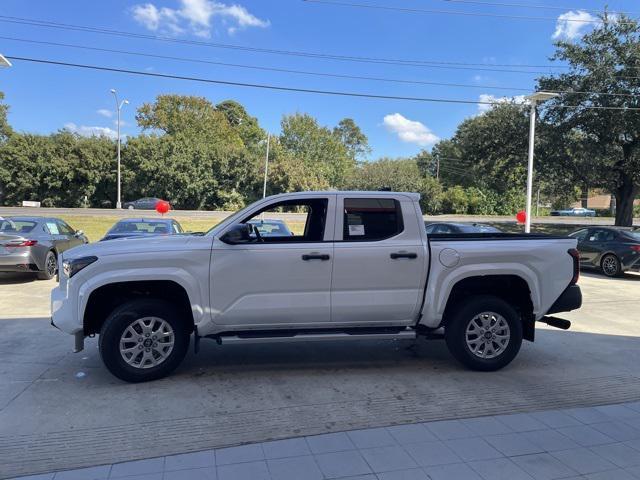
x=314 y=337
x=560 y=323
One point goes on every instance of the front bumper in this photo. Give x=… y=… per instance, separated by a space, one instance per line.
x=63 y=315
x=571 y=299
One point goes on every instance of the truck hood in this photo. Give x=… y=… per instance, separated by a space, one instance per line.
x=129 y=245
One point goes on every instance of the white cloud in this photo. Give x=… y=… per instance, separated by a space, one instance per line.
x=105 y=113
x=195 y=16
x=410 y=131
x=86 y=131
x=492 y=99
x=571 y=25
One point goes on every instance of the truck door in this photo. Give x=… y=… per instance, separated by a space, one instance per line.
x=379 y=268
x=283 y=278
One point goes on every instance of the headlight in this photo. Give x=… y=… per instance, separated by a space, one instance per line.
x=73 y=266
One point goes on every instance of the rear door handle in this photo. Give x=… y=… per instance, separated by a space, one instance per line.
x=410 y=255
x=314 y=256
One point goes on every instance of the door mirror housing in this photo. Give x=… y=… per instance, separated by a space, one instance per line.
x=79 y=233
x=237 y=234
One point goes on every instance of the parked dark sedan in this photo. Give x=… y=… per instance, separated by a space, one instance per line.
x=612 y=250
x=147 y=203
x=140 y=227
x=441 y=227
x=32 y=244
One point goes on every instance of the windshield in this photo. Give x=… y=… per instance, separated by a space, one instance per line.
x=16 y=226
x=140 y=227
x=478 y=229
x=635 y=234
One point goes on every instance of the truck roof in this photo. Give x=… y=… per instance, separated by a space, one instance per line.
x=368 y=193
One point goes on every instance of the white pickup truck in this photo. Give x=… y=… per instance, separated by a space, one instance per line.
x=359 y=265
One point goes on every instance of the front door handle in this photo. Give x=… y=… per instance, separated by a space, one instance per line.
x=410 y=255
x=313 y=256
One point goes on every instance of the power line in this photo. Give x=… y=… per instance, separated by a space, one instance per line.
x=301 y=72
x=539 y=7
x=292 y=89
x=345 y=58
x=452 y=12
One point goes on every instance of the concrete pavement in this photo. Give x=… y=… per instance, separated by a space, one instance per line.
x=60 y=410
x=601 y=443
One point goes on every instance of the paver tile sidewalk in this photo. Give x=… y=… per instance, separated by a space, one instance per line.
x=596 y=443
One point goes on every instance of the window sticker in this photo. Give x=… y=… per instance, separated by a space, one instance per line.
x=356 y=230
x=53 y=228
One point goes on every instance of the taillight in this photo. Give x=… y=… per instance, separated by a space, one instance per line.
x=575 y=254
x=21 y=243
x=635 y=248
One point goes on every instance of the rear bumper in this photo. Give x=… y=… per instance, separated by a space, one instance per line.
x=18 y=262
x=571 y=299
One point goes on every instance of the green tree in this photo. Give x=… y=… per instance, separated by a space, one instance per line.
x=352 y=138
x=488 y=151
x=605 y=60
x=403 y=175
x=5 y=128
x=322 y=154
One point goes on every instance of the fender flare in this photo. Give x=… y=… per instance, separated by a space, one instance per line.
x=172 y=274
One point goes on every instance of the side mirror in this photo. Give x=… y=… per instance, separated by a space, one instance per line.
x=79 y=233
x=239 y=233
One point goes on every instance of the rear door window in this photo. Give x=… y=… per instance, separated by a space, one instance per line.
x=371 y=219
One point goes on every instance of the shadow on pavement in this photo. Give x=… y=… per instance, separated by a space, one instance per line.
x=7 y=278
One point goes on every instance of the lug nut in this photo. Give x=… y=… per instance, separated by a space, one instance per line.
x=147 y=349
x=140 y=347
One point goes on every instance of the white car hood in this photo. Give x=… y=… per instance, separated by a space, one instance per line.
x=161 y=243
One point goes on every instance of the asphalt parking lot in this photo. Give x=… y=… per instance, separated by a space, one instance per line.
x=60 y=410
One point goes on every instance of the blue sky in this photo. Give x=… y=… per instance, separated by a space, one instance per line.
x=45 y=98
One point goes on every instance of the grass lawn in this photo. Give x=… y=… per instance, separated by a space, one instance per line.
x=95 y=227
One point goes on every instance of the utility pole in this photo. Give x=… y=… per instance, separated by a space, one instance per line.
x=438 y=168
x=266 y=167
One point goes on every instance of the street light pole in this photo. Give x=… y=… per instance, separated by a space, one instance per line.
x=266 y=167
x=119 y=106
x=4 y=62
x=534 y=99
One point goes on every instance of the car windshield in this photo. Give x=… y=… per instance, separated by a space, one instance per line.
x=478 y=229
x=272 y=228
x=140 y=227
x=16 y=226
x=635 y=234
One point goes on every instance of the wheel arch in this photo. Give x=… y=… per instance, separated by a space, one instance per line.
x=511 y=288
x=104 y=299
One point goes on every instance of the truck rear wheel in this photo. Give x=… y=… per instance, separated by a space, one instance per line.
x=485 y=333
x=143 y=340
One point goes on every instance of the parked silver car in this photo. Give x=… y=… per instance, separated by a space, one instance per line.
x=32 y=244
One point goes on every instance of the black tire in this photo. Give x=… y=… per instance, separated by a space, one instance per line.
x=123 y=317
x=459 y=321
x=610 y=265
x=50 y=267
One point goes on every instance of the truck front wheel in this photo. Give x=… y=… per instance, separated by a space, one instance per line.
x=143 y=340
x=485 y=333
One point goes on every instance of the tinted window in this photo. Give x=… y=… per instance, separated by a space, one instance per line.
x=430 y=228
x=443 y=229
x=140 y=227
x=17 y=226
x=64 y=228
x=602 y=236
x=635 y=235
x=580 y=235
x=477 y=229
x=367 y=219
